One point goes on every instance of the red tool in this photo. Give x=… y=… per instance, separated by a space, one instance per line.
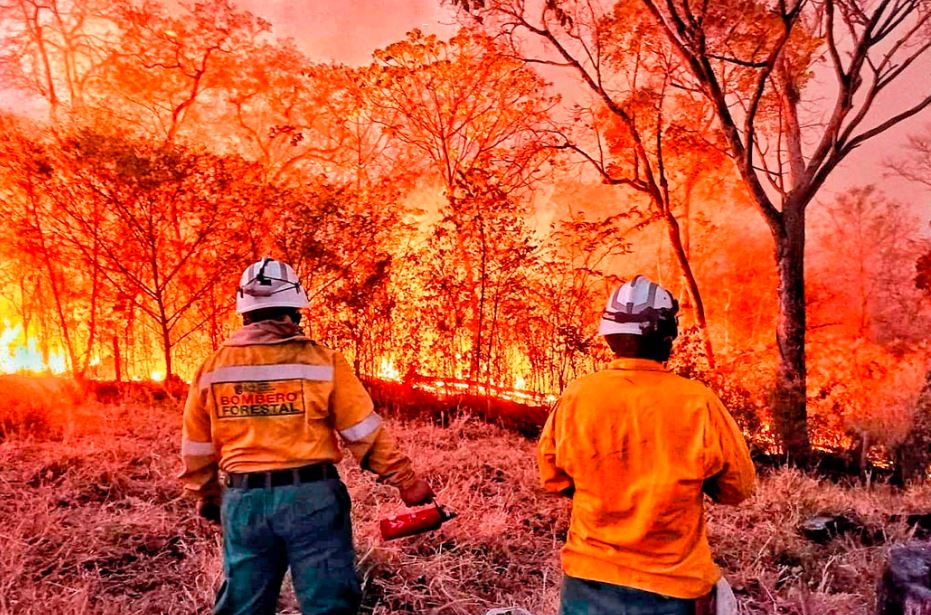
x=418 y=522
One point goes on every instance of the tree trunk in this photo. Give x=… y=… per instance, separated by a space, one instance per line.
x=117 y=361
x=92 y=326
x=166 y=343
x=675 y=239
x=789 y=395
x=166 y=337
x=476 y=368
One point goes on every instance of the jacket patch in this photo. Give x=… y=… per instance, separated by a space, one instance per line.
x=237 y=400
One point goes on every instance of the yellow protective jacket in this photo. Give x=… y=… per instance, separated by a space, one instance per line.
x=636 y=447
x=271 y=398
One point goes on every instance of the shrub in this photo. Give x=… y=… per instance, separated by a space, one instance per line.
x=860 y=391
x=34 y=406
x=913 y=455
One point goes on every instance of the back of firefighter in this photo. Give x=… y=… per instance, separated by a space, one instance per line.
x=267 y=409
x=636 y=448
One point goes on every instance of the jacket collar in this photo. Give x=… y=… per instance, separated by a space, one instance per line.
x=637 y=364
x=266 y=332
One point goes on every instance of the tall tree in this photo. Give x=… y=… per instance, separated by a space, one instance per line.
x=568 y=292
x=747 y=57
x=462 y=104
x=148 y=192
x=341 y=241
x=864 y=254
x=28 y=171
x=476 y=318
x=467 y=110
x=168 y=69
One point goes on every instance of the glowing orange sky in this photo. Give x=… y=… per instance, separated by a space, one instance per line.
x=349 y=30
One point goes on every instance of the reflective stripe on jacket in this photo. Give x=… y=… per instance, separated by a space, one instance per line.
x=279 y=403
x=636 y=446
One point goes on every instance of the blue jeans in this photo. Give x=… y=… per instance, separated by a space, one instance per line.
x=305 y=527
x=582 y=597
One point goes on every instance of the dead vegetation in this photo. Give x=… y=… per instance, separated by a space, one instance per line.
x=92 y=521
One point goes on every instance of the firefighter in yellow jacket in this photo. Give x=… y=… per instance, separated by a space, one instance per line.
x=637 y=448
x=266 y=409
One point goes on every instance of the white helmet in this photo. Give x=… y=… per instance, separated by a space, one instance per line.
x=640 y=307
x=269 y=283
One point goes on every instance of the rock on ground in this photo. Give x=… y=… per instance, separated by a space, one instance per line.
x=905 y=588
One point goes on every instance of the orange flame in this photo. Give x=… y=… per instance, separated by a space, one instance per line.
x=387 y=370
x=450 y=386
x=19 y=353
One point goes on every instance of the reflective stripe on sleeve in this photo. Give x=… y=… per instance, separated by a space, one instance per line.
x=253 y=373
x=362 y=429
x=195 y=448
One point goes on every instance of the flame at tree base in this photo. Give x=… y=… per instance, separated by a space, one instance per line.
x=445 y=387
x=19 y=354
x=454 y=386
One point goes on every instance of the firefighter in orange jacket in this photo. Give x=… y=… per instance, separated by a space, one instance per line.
x=637 y=448
x=266 y=408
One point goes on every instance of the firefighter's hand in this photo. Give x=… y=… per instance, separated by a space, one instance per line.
x=417 y=493
x=209 y=509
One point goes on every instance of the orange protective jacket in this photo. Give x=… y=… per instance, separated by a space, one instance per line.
x=636 y=447
x=271 y=398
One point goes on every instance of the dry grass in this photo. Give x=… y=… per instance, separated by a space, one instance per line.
x=92 y=521
x=775 y=570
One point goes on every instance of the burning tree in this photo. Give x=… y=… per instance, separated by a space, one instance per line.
x=55 y=49
x=484 y=223
x=865 y=260
x=570 y=292
x=167 y=68
x=870 y=45
x=468 y=111
x=43 y=245
x=158 y=225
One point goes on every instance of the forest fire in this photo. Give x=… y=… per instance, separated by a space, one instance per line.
x=442 y=234
x=21 y=355
x=703 y=224
x=449 y=387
